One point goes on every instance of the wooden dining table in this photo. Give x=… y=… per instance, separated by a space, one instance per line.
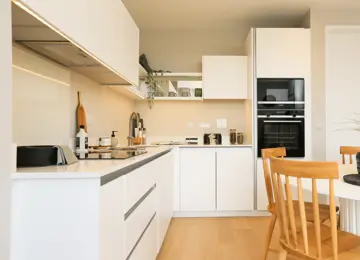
x=348 y=195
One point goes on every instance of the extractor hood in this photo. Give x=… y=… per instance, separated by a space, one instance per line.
x=32 y=34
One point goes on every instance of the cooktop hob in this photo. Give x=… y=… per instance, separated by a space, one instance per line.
x=111 y=155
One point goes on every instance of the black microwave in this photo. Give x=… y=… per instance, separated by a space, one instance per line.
x=281 y=93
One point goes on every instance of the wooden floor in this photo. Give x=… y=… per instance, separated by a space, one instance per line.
x=218 y=239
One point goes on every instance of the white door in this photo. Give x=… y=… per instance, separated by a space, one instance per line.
x=235 y=179
x=282 y=52
x=197 y=179
x=224 y=77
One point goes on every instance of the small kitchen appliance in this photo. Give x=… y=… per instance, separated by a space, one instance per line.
x=217 y=137
x=44 y=155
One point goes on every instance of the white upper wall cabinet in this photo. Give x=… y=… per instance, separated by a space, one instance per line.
x=104 y=28
x=224 y=77
x=282 y=52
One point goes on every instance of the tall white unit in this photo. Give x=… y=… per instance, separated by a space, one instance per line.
x=281 y=53
x=197 y=179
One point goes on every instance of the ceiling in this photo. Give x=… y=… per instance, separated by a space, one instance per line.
x=206 y=14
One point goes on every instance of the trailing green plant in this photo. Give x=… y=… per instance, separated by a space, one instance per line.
x=152 y=83
x=151 y=88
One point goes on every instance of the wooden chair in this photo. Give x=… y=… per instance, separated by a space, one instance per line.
x=281 y=153
x=349 y=150
x=316 y=241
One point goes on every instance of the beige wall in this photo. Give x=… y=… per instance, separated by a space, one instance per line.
x=319 y=20
x=45 y=100
x=6 y=162
x=181 y=50
x=171 y=118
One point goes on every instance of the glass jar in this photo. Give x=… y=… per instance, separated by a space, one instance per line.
x=240 y=138
x=232 y=136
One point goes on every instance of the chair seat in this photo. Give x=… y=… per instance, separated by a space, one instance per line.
x=324 y=210
x=348 y=244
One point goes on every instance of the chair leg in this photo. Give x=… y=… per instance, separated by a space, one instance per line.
x=269 y=234
x=282 y=254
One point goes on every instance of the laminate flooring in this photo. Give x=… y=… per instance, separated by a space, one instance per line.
x=218 y=239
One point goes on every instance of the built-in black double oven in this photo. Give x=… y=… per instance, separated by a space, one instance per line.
x=281 y=115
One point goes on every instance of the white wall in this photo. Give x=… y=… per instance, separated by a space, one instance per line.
x=342 y=88
x=320 y=18
x=6 y=163
x=45 y=100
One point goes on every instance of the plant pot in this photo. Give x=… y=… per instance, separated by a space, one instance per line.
x=198 y=92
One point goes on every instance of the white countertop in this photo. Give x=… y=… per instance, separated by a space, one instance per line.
x=215 y=145
x=85 y=168
x=342 y=189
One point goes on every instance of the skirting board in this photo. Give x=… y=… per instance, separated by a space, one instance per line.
x=210 y=214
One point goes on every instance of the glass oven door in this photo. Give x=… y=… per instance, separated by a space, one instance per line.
x=282 y=132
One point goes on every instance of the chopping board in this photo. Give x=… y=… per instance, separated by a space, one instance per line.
x=80 y=114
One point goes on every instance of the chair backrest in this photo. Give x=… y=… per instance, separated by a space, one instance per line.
x=266 y=154
x=349 y=150
x=286 y=172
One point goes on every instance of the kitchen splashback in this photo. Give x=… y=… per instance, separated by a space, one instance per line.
x=45 y=102
x=188 y=118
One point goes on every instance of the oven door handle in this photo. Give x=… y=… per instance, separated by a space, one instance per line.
x=282 y=121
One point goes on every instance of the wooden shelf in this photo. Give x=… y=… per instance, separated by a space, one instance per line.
x=178 y=98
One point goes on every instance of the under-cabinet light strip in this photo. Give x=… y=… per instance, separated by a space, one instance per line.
x=135 y=92
x=35 y=15
x=42 y=76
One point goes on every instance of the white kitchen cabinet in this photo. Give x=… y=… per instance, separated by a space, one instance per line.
x=262 y=199
x=235 y=179
x=282 y=52
x=224 y=77
x=146 y=249
x=197 y=179
x=112 y=229
x=104 y=28
x=165 y=193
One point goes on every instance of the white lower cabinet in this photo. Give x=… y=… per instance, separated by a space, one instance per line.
x=235 y=179
x=216 y=179
x=262 y=200
x=197 y=179
x=146 y=248
x=112 y=226
x=136 y=210
x=135 y=224
x=165 y=192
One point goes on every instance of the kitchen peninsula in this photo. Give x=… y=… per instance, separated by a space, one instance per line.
x=93 y=209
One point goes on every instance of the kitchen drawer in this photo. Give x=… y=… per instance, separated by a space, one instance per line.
x=137 y=183
x=146 y=248
x=137 y=221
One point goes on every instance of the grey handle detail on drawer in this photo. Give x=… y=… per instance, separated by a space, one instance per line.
x=141 y=236
x=133 y=208
x=116 y=174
